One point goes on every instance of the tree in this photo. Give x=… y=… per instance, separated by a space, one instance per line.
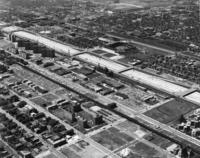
x=182 y=119
x=184 y=152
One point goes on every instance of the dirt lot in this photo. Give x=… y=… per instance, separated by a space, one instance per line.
x=128 y=126
x=112 y=138
x=82 y=149
x=159 y=141
x=69 y=153
x=171 y=111
x=143 y=150
x=62 y=114
x=61 y=92
x=40 y=101
x=50 y=97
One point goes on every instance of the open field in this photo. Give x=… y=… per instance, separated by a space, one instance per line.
x=119 y=134
x=112 y=138
x=128 y=126
x=141 y=149
x=50 y=97
x=40 y=101
x=144 y=144
x=61 y=92
x=108 y=140
x=171 y=111
x=62 y=114
x=158 y=140
x=144 y=150
x=69 y=153
x=132 y=129
x=82 y=149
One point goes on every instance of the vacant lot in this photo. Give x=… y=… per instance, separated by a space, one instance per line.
x=50 y=97
x=82 y=149
x=61 y=92
x=158 y=140
x=171 y=111
x=62 y=114
x=112 y=138
x=128 y=126
x=143 y=150
x=69 y=153
x=40 y=101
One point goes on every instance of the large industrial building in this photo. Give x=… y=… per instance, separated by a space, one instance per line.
x=28 y=39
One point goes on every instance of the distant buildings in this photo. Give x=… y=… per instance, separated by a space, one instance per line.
x=191 y=124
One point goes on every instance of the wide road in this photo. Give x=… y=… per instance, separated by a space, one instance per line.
x=67 y=126
x=73 y=86
x=155 y=125
x=104 y=100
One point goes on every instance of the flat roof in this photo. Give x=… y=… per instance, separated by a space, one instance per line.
x=155 y=82
x=59 y=47
x=4 y=43
x=194 y=97
x=111 y=65
x=10 y=29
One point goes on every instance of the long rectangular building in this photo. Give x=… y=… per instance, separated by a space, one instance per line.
x=155 y=82
x=57 y=46
x=114 y=66
x=95 y=60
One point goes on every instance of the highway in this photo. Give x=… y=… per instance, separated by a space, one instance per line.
x=47 y=113
x=154 y=125
x=135 y=116
x=138 y=76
